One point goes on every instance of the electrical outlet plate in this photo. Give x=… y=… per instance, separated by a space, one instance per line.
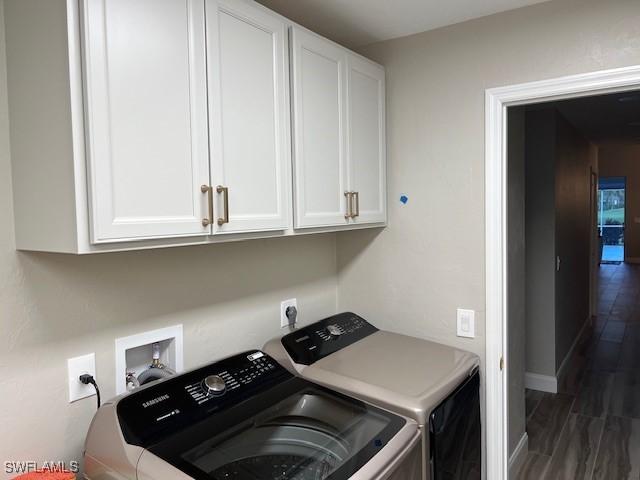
x=284 y=321
x=466 y=323
x=78 y=366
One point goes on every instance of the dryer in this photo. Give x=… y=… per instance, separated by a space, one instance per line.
x=434 y=384
x=247 y=418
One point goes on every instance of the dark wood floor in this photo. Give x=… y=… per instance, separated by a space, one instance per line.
x=591 y=428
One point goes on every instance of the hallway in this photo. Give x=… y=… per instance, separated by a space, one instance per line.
x=591 y=428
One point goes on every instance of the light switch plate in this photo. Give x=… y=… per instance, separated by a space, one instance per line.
x=466 y=323
x=77 y=366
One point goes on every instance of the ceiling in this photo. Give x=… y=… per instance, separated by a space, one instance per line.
x=605 y=119
x=355 y=23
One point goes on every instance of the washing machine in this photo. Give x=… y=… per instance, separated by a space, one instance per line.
x=248 y=418
x=433 y=384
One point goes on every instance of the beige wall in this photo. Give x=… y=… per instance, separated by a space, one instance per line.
x=412 y=276
x=624 y=161
x=409 y=277
x=54 y=306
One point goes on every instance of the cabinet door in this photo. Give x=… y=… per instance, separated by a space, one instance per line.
x=320 y=164
x=366 y=140
x=249 y=110
x=146 y=117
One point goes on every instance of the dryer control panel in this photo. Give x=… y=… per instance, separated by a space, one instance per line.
x=320 y=339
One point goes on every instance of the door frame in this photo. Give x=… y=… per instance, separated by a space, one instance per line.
x=497 y=100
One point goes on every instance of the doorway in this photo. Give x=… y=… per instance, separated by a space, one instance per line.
x=611 y=218
x=497 y=342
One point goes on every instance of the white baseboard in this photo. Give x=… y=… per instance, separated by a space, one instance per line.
x=519 y=454
x=549 y=383
x=543 y=383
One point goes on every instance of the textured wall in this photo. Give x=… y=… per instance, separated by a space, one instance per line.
x=54 y=306
x=412 y=276
x=409 y=277
x=624 y=161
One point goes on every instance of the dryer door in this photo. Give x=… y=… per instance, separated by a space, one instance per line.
x=455 y=434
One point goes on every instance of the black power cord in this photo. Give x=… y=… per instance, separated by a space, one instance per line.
x=87 y=379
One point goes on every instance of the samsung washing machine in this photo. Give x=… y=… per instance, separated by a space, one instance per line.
x=436 y=385
x=248 y=418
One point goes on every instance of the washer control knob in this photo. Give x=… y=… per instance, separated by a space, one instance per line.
x=214 y=385
x=334 y=330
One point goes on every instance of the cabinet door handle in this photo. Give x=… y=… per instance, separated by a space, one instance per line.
x=225 y=192
x=348 y=197
x=357 y=196
x=209 y=190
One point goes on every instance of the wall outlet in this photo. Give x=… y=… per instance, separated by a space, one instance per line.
x=78 y=366
x=466 y=323
x=284 y=320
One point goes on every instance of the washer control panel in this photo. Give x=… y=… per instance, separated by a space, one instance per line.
x=230 y=379
x=167 y=406
x=313 y=342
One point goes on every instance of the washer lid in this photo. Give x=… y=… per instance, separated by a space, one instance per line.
x=293 y=431
x=404 y=374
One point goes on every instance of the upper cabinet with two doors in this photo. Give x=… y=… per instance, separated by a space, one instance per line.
x=339 y=134
x=169 y=122
x=187 y=108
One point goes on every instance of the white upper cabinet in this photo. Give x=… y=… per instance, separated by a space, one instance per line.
x=174 y=122
x=339 y=135
x=146 y=118
x=366 y=140
x=319 y=112
x=249 y=112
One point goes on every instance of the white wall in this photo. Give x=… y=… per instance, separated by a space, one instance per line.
x=55 y=306
x=430 y=260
